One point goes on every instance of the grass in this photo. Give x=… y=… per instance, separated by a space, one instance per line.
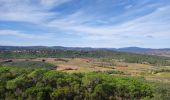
x=85 y=65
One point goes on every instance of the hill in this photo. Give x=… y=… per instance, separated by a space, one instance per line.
x=8 y=52
x=149 y=51
x=160 y=52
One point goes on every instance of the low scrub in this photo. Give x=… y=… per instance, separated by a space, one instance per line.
x=29 y=64
x=41 y=84
x=160 y=71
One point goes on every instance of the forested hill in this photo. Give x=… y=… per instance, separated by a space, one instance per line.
x=149 y=51
x=14 y=48
x=36 y=52
x=159 y=52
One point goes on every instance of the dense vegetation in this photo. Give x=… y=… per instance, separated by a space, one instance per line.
x=162 y=91
x=127 y=57
x=41 y=84
x=28 y=64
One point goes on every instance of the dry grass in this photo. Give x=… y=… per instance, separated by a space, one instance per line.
x=74 y=65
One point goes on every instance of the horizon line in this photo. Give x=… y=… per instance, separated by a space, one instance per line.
x=84 y=47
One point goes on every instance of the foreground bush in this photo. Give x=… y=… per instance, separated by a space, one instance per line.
x=44 y=84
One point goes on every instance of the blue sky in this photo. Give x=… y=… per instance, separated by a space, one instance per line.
x=85 y=23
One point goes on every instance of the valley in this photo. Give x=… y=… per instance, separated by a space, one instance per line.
x=56 y=70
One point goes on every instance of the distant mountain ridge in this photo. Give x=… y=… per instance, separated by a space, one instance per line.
x=149 y=51
x=132 y=49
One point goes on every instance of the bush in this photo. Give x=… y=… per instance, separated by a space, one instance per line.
x=41 y=84
x=29 y=64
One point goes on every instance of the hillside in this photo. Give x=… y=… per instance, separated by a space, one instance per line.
x=159 y=52
x=30 y=52
x=149 y=51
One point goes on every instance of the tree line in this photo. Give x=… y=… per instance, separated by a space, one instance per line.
x=127 y=57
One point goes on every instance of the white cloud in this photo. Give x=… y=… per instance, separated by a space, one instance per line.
x=49 y=3
x=128 y=6
x=34 y=17
x=156 y=24
x=80 y=23
x=28 y=10
x=21 y=34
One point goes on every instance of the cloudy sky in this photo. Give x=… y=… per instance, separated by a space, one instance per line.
x=85 y=23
